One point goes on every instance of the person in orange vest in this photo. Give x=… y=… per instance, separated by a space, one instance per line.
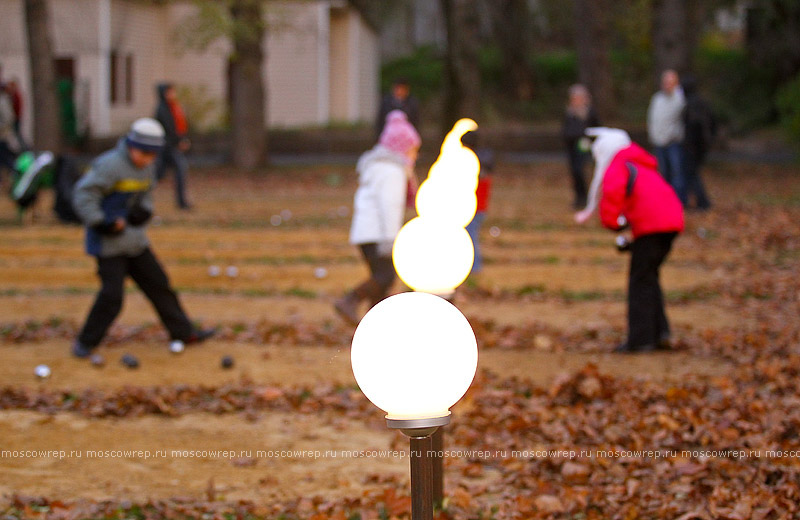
x=172 y=117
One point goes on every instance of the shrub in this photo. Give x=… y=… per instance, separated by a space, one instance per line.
x=424 y=70
x=788 y=104
x=740 y=93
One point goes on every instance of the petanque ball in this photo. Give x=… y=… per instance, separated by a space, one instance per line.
x=130 y=361
x=226 y=362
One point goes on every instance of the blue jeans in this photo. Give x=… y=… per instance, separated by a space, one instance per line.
x=671 y=165
x=474 y=228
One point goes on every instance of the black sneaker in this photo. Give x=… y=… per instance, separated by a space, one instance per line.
x=200 y=335
x=623 y=348
x=626 y=348
x=80 y=350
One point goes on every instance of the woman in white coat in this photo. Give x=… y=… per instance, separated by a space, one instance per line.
x=379 y=208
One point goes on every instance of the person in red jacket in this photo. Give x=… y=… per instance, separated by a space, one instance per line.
x=634 y=193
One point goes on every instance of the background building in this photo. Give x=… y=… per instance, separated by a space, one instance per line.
x=321 y=62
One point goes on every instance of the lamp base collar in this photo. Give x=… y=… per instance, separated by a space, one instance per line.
x=418 y=428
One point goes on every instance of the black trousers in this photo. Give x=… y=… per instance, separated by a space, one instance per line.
x=694 y=183
x=148 y=274
x=381 y=268
x=7 y=157
x=577 y=163
x=173 y=158
x=647 y=321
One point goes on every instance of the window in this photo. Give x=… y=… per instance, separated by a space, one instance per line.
x=113 y=79
x=121 y=83
x=129 y=78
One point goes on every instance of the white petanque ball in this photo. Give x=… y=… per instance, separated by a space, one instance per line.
x=232 y=271
x=320 y=273
x=42 y=371
x=176 y=346
x=214 y=270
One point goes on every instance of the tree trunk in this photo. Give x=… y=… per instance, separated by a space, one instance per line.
x=46 y=120
x=462 y=75
x=672 y=45
x=511 y=26
x=593 y=43
x=247 y=91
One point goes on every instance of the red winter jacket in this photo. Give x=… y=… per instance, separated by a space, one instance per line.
x=651 y=207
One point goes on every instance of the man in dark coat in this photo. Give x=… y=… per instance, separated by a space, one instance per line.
x=700 y=130
x=399 y=98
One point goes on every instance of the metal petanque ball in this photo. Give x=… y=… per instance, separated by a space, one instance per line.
x=494 y=231
x=226 y=362
x=320 y=273
x=130 y=361
x=97 y=360
x=232 y=271
x=214 y=271
x=42 y=371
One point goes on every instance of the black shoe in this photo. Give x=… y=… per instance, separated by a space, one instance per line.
x=626 y=348
x=200 y=335
x=80 y=350
x=623 y=348
x=347 y=308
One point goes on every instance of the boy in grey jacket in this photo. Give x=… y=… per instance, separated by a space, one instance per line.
x=114 y=202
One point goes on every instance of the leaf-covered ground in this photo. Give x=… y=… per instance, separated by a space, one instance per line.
x=554 y=426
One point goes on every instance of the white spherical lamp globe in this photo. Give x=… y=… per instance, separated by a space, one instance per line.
x=432 y=257
x=414 y=356
x=460 y=166
x=446 y=201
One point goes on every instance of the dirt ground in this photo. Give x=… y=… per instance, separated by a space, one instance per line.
x=279 y=228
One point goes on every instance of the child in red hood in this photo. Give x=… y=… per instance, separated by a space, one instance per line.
x=635 y=194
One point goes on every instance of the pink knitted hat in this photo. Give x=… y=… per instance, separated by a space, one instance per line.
x=399 y=135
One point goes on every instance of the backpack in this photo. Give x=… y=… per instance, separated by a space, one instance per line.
x=31 y=172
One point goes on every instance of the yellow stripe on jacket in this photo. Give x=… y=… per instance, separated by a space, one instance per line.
x=131 y=185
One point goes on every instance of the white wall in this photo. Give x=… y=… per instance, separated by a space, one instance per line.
x=296 y=75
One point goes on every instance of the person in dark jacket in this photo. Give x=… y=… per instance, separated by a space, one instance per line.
x=400 y=98
x=172 y=117
x=700 y=130
x=114 y=201
x=579 y=115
